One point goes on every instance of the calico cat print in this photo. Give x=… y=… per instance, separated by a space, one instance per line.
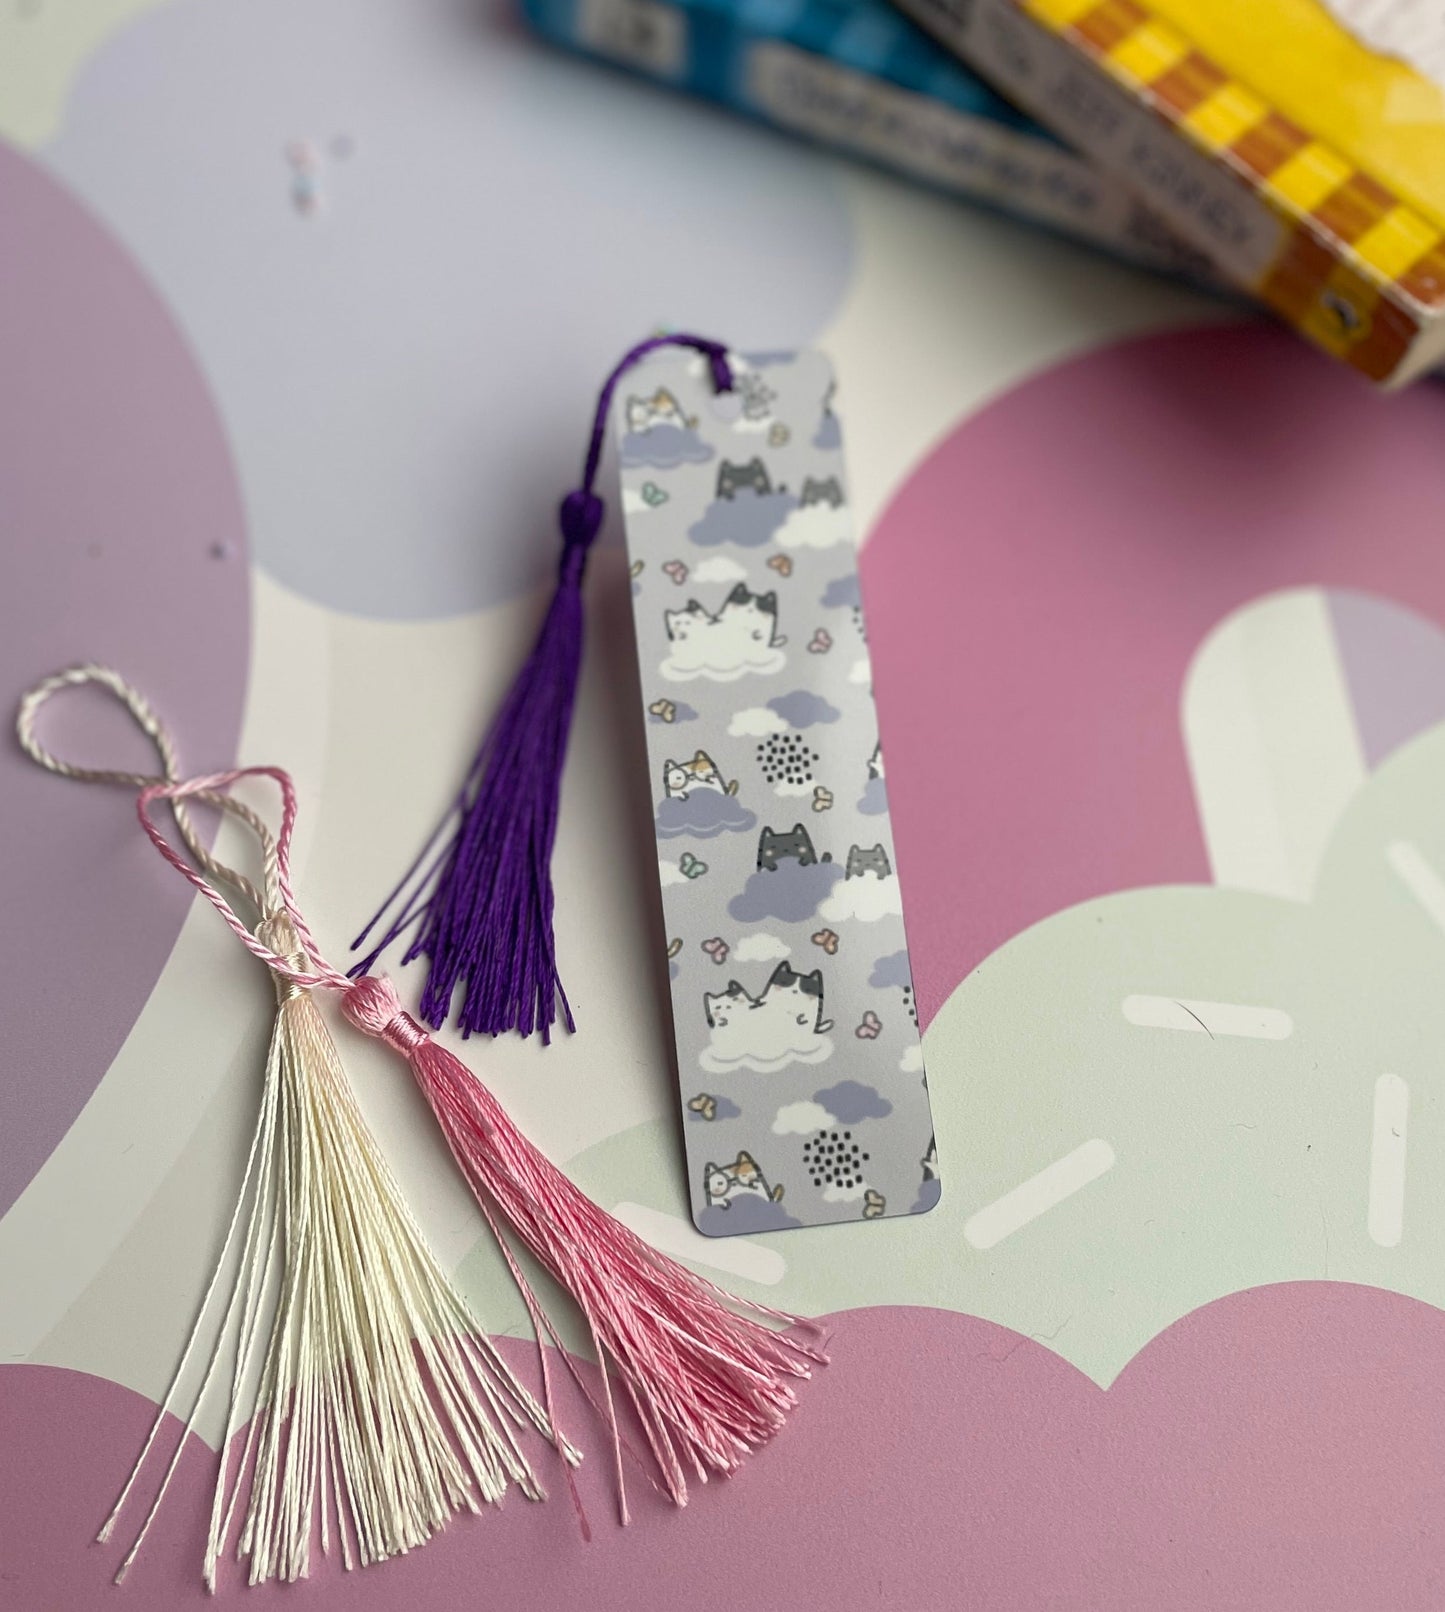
x=662 y=408
x=681 y=778
x=741 y=638
x=752 y=475
x=783 y=1024
x=722 y=1183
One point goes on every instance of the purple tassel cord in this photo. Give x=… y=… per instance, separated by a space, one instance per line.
x=482 y=903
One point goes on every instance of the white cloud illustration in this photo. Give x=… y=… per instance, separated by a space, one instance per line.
x=754 y=722
x=911 y=1063
x=718 y=568
x=861 y=671
x=669 y=872
x=866 y=898
x=816 y=526
x=801 y=1119
x=760 y=948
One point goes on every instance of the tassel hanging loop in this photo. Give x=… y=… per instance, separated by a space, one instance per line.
x=481 y=906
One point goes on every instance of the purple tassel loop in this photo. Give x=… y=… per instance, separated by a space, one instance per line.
x=482 y=905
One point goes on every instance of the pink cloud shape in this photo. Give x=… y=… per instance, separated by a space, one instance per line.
x=1279 y=1448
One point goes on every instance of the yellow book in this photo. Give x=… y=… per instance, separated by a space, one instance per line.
x=1301 y=143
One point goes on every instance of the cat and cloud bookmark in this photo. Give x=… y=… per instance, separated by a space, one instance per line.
x=798 y=1053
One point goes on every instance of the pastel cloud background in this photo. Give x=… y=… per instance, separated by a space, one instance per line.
x=105 y=1247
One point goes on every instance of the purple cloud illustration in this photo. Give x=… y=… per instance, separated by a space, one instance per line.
x=681 y=712
x=789 y=893
x=802 y=708
x=705 y=813
x=663 y=447
x=745 y=1214
x=842 y=592
x=890 y=971
x=723 y=1108
x=929 y=1192
x=829 y=434
x=874 y=800
x=748 y=519
x=851 y=1101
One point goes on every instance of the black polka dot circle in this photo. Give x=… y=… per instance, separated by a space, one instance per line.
x=909 y=1003
x=834 y=1159
x=785 y=759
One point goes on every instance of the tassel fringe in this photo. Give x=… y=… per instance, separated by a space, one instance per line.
x=377 y=1406
x=709 y=1380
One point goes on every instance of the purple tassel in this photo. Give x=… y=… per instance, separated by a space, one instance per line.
x=483 y=903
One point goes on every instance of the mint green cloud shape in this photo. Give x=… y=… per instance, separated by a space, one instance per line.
x=1237 y=1161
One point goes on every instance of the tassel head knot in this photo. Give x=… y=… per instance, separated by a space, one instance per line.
x=372 y=1005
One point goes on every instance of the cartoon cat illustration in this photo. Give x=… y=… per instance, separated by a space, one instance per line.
x=682 y=625
x=742 y=637
x=754 y=475
x=782 y=1025
x=722 y=1183
x=929 y=1161
x=681 y=778
x=861 y=861
x=799 y=996
x=776 y=846
x=662 y=408
x=825 y=490
x=757 y=396
x=756 y=614
x=875 y=761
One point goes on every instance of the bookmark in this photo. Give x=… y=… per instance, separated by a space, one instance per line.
x=798 y=1053
x=800 y=1062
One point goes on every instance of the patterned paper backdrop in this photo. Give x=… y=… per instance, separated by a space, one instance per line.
x=302 y=307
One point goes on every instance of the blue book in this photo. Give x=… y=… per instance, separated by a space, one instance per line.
x=859 y=76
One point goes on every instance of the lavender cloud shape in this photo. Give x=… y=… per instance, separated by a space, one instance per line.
x=748 y=519
x=705 y=813
x=789 y=893
x=745 y=1214
x=850 y=1101
x=891 y=971
x=874 y=800
x=802 y=708
x=664 y=447
x=842 y=592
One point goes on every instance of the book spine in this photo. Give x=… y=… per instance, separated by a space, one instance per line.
x=1314 y=282
x=1019 y=170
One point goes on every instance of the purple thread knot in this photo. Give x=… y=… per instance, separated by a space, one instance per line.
x=581 y=517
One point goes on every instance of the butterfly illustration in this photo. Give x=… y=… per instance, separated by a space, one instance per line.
x=822 y=799
x=692 y=867
x=874 y=1203
x=705 y=1104
x=636 y=568
x=652 y=494
x=821 y=642
x=868 y=1030
x=663 y=710
x=716 y=948
x=781 y=564
x=827 y=939
x=677 y=571
x=778 y=435
x=673 y=948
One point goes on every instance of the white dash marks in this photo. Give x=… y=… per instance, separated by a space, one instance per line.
x=1387 y=1161
x=1419 y=878
x=733 y=1256
x=1040 y=1193
x=1208 y=1018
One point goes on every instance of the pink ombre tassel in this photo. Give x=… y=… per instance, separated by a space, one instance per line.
x=709 y=1384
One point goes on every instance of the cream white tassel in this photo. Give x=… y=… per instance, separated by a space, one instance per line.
x=374 y=1405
